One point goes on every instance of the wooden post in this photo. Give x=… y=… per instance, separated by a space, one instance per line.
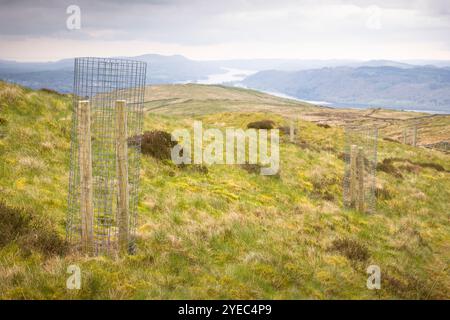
x=85 y=163
x=360 y=174
x=122 y=175
x=415 y=136
x=353 y=175
x=291 y=130
x=404 y=136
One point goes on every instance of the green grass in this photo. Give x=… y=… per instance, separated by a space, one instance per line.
x=228 y=233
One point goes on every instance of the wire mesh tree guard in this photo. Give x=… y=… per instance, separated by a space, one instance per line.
x=105 y=154
x=410 y=134
x=361 y=145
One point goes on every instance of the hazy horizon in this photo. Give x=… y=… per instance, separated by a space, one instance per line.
x=418 y=62
x=397 y=30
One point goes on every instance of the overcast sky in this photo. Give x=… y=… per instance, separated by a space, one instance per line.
x=35 y=30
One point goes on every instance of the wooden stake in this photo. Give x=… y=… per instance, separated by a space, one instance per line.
x=85 y=163
x=360 y=174
x=122 y=175
x=404 y=136
x=353 y=175
x=291 y=131
x=415 y=136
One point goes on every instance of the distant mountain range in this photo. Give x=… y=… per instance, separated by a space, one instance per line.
x=300 y=64
x=424 y=88
x=59 y=75
x=384 y=83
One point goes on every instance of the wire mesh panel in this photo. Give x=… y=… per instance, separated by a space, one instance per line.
x=360 y=168
x=107 y=107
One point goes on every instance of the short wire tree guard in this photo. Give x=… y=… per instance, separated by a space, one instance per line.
x=360 y=168
x=105 y=154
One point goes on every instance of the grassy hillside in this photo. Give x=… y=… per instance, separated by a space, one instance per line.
x=191 y=99
x=226 y=233
x=194 y=99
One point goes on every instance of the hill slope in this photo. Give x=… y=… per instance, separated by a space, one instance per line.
x=193 y=100
x=425 y=88
x=226 y=233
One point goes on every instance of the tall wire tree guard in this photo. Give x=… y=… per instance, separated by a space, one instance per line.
x=410 y=133
x=105 y=154
x=361 y=145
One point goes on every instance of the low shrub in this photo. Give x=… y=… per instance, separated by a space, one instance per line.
x=407 y=165
x=263 y=124
x=352 y=249
x=390 y=140
x=51 y=91
x=431 y=165
x=286 y=130
x=388 y=166
x=29 y=232
x=382 y=193
x=157 y=144
x=251 y=167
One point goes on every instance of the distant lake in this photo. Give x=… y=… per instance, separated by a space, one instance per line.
x=282 y=95
x=347 y=105
x=229 y=75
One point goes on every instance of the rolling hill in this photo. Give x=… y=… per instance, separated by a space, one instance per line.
x=225 y=232
x=351 y=83
x=195 y=100
x=59 y=75
x=424 y=88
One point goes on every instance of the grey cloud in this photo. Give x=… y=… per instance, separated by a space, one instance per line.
x=198 y=22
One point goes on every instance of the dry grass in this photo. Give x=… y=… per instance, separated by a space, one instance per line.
x=352 y=249
x=31 y=163
x=9 y=93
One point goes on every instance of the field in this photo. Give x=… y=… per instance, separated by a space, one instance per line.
x=227 y=232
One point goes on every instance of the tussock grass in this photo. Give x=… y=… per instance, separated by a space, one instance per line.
x=352 y=249
x=9 y=93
